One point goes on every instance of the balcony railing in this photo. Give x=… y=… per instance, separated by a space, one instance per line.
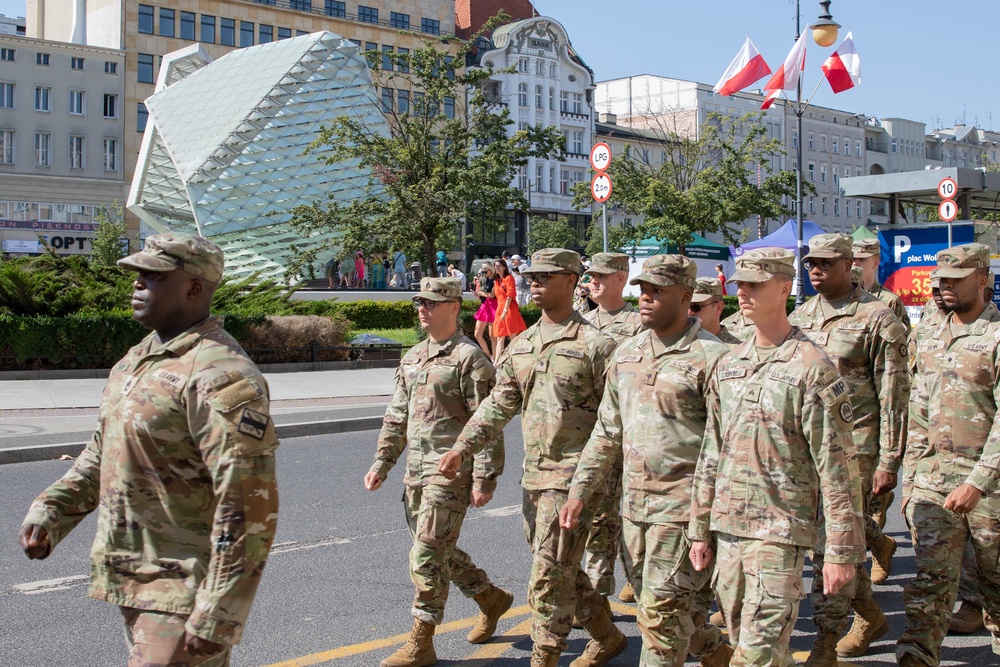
x=319 y=9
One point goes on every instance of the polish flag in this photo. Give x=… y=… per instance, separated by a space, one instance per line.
x=747 y=68
x=787 y=77
x=843 y=68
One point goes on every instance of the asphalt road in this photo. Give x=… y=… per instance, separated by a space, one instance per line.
x=336 y=589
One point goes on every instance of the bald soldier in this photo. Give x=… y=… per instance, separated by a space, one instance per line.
x=180 y=470
x=868 y=345
x=707 y=306
x=951 y=471
x=867 y=255
x=777 y=456
x=619 y=319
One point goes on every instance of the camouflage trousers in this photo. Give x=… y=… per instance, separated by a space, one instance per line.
x=434 y=515
x=156 y=639
x=830 y=612
x=604 y=540
x=674 y=599
x=558 y=588
x=939 y=538
x=968 y=583
x=759 y=585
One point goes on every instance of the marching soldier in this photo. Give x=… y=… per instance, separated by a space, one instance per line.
x=738 y=325
x=654 y=411
x=707 y=305
x=868 y=345
x=867 y=255
x=555 y=372
x=777 y=444
x=440 y=383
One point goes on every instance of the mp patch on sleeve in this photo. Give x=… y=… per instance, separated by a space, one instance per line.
x=253 y=423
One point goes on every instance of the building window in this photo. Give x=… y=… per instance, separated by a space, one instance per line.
x=449 y=107
x=540 y=68
x=284 y=33
x=835 y=142
x=187 y=26
x=552 y=70
x=6 y=96
x=141 y=117
x=6 y=146
x=166 y=22
x=402 y=65
x=42 y=98
x=76 y=63
x=812 y=204
x=836 y=175
x=403 y=101
x=335 y=8
x=387 y=100
x=398 y=20
x=836 y=206
x=110 y=105
x=430 y=26
x=7 y=54
x=578 y=103
x=552 y=99
x=266 y=34
x=564 y=101
x=847 y=207
x=145 y=71
x=227 y=32
x=42 y=141
x=110 y=67
x=812 y=141
x=578 y=143
x=825 y=206
x=894 y=145
x=110 y=161
x=795 y=139
x=847 y=147
x=146 y=19
x=367 y=14
x=41 y=58
x=538 y=98
x=859 y=209
x=75 y=152
x=208 y=29
x=301 y=5
x=858 y=148
x=822 y=173
x=246 y=34
x=77 y=99
x=386 y=58
x=812 y=172
x=522 y=94
x=523 y=65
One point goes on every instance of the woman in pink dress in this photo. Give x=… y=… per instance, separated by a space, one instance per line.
x=359 y=270
x=487 y=311
x=508 y=321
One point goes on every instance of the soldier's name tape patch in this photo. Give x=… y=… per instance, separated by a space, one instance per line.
x=522 y=349
x=852 y=326
x=787 y=378
x=630 y=358
x=253 y=423
x=568 y=352
x=806 y=325
x=621 y=329
x=846 y=413
x=684 y=366
x=170 y=378
x=732 y=373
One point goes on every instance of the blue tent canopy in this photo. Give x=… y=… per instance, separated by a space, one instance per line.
x=787 y=236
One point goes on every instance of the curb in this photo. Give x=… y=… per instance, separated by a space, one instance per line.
x=303 y=367
x=302 y=429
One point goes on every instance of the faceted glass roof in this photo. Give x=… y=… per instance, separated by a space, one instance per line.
x=222 y=155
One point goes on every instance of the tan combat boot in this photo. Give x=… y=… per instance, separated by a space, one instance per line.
x=608 y=641
x=540 y=658
x=418 y=651
x=493 y=602
x=968 y=619
x=719 y=657
x=627 y=593
x=824 y=651
x=869 y=625
x=882 y=552
x=880 y=516
x=717 y=619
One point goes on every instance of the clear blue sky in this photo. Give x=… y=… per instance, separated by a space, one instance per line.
x=920 y=59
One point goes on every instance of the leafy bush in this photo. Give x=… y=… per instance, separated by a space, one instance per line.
x=289 y=337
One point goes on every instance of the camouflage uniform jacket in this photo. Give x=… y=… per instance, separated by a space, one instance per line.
x=726 y=337
x=930 y=319
x=892 y=300
x=954 y=430
x=621 y=326
x=434 y=398
x=777 y=444
x=653 y=410
x=181 y=472
x=738 y=326
x=559 y=385
x=868 y=345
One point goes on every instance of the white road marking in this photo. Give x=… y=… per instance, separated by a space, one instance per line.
x=50 y=585
x=509 y=510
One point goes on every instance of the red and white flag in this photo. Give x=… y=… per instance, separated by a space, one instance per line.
x=843 y=68
x=787 y=77
x=747 y=68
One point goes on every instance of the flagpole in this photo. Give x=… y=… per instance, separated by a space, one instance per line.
x=800 y=291
x=809 y=99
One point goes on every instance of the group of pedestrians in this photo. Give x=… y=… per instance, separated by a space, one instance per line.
x=499 y=315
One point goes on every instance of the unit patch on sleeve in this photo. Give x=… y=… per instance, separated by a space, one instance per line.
x=253 y=423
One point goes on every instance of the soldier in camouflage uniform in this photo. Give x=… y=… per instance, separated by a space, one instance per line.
x=777 y=444
x=619 y=319
x=707 y=305
x=180 y=470
x=440 y=383
x=868 y=345
x=555 y=372
x=653 y=411
x=867 y=254
x=951 y=469
x=738 y=326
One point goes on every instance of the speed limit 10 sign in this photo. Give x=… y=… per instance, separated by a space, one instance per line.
x=600 y=187
x=947 y=188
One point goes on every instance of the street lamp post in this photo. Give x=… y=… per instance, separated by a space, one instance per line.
x=824 y=33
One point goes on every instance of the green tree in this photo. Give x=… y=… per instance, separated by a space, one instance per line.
x=707 y=183
x=556 y=233
x=107 y=243
x=621 y=237
x=445 y=158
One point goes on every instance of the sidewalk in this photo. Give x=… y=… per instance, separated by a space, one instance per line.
x=46 y=419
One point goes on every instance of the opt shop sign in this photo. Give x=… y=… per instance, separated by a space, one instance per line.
x=908 y=256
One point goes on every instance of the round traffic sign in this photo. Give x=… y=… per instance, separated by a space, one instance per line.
x=600 y=187
x=600 y=157
x=948 y=209
x=947 y=188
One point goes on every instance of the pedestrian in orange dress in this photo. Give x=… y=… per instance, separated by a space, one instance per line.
x=508 y=321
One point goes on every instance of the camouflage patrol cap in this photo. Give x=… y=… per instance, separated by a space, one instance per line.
x=606 y=263
x=554 y=260
x=439 y=289
x=762 y=264
x=962 y=260
x=856 y=274
x=865 y=248
x=666 y=270
x=706 y=289
x=171 y=251
x=830 y=246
